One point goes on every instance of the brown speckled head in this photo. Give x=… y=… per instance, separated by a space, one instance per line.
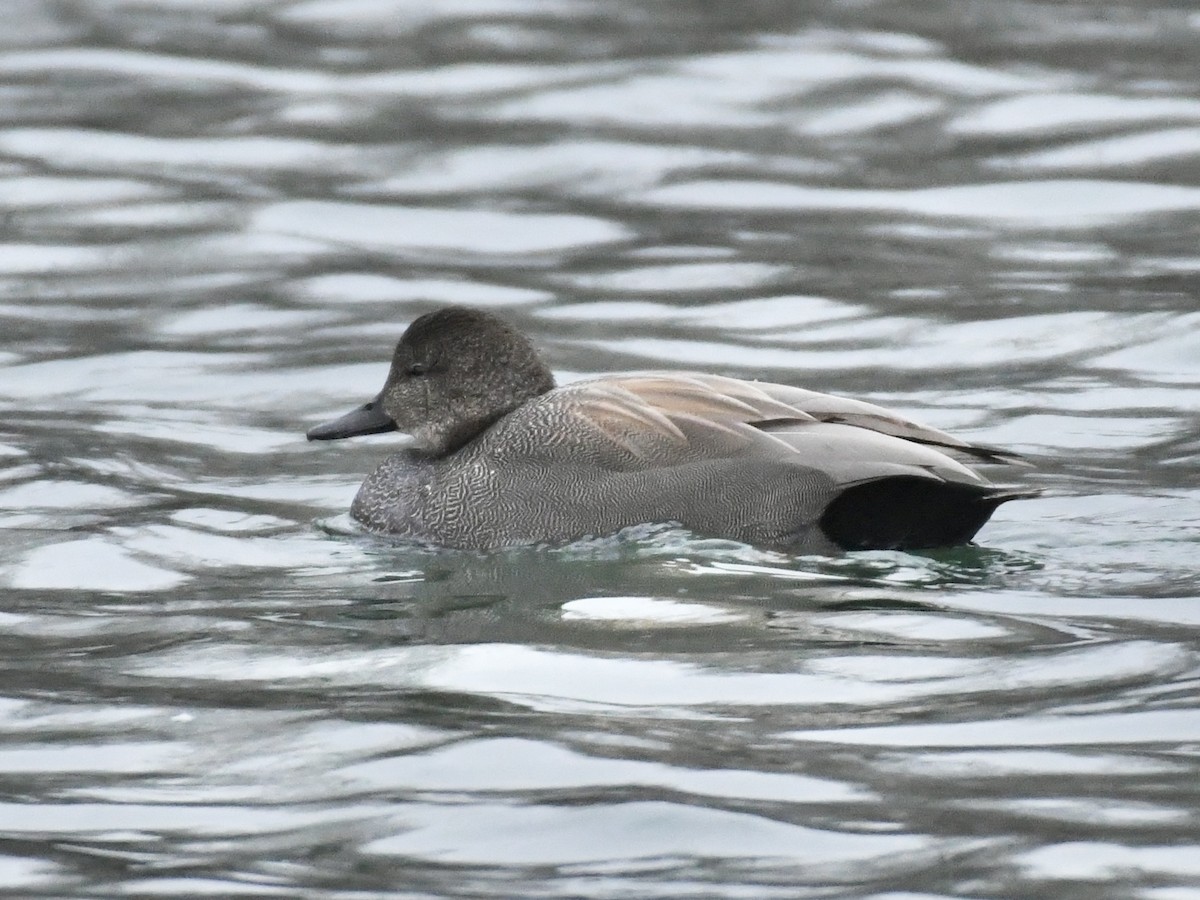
x=455 y=372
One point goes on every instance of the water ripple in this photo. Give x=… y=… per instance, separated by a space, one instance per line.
x=221 y=215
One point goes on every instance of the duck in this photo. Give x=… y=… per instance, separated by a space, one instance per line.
x=500 y=456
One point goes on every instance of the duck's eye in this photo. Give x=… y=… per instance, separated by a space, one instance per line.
x=416 y=369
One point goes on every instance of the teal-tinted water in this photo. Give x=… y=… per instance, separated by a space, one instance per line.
x=219 y=216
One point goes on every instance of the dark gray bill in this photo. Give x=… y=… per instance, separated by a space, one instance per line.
x=367 y=419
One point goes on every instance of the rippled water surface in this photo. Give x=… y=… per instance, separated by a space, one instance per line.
x=218 y=217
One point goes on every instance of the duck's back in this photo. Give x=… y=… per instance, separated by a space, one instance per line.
x=722 y=457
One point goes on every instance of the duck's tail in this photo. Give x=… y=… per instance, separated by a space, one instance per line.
x=908 y=512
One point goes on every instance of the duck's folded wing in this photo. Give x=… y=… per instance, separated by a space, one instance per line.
x=668 y=418
x=653 y=420
x=845 y=411
x=851 y=455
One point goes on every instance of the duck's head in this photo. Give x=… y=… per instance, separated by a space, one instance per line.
x=454 y=373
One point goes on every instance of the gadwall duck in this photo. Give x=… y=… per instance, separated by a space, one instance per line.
x=501 y=457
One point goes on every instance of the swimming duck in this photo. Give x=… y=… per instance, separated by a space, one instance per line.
x=500 y=456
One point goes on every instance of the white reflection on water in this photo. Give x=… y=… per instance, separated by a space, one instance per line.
x=502 y=833
x=1164 y=726
x=1029 y=114
x=1062 y=203
x=34 y=191
x=737 y=88
x=641 y=612
x=1110 y=153
x=681 y=277
x=543 y=679
x=508 y=765
x=92 y=564
x=1007 y=762
x=574 y=167
x=1101 y=860
x=132 y=153
x=377 y=228
x=362 y=288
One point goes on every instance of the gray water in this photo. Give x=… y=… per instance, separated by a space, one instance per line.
x=219 y=216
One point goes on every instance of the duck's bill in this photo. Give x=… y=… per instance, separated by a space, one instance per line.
x=367 y=419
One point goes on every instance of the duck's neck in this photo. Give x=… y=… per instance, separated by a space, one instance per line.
x=465 y=431
x=460 y=432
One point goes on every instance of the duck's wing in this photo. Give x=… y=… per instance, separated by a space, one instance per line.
x=659 y=418
x=844 y=411
x=663 y=419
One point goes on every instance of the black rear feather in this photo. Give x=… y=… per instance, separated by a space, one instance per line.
x=911 y=513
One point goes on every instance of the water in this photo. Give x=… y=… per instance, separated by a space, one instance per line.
x=219 y=217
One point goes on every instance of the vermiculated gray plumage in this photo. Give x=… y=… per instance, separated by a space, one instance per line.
x=503 y=458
